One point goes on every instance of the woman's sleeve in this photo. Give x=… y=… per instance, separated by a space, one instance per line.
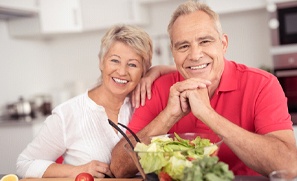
x=45 y=148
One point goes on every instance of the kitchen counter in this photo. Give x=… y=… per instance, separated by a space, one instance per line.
x=72 y=179
x=237 y=178
x=20 y=122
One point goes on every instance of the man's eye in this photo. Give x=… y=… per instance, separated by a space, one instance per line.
x=205 y=42
x=183 y=47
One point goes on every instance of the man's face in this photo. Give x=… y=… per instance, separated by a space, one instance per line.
x=197 y=48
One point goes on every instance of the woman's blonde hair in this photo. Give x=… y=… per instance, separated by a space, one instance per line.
x=133 y=36
x=190 y=7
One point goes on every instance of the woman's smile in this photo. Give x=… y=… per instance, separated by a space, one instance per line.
x=120 y=81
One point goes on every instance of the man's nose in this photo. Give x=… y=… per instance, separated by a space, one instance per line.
x=195 y=52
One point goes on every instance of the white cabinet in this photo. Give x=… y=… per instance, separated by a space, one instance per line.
x=232 y=6
x=17 y=8
x=66 y=16
x=221 y=7
x=22 y=5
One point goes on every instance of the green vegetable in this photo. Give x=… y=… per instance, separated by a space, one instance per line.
x=208 y=169
x=172 y=155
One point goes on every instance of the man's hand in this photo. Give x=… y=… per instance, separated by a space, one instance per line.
x=197 y=100
x=180 y=92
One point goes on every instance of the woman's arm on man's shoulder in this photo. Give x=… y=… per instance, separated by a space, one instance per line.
x=143 y=89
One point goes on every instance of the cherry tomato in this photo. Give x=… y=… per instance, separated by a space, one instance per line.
x=84 y=177
x=163 y=176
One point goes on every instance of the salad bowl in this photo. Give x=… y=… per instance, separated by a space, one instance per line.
x=168 y=155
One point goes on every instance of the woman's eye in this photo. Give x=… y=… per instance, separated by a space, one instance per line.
x=132 y=65
x=114 y=60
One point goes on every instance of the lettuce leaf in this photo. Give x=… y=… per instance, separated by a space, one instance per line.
x=172 y=155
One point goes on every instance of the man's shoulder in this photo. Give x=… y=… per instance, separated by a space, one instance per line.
x=165 y=81
x=252 y=71
x=171 y=77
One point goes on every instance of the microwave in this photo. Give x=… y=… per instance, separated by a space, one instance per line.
x=283 y=22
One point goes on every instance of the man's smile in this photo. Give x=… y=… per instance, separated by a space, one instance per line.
x=198 y=67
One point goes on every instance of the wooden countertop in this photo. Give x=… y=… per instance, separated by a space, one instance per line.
x=72 y=179
x=237 y=178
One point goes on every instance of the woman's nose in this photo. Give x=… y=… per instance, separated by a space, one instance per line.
x=122 y=70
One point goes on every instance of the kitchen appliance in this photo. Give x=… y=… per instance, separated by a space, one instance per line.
x=283 y=21
x=285 y=69
x=39 y=105
x=20 y=109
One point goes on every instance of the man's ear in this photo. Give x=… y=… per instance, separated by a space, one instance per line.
x=225 y=42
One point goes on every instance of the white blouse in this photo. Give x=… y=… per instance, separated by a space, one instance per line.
x=79 y=130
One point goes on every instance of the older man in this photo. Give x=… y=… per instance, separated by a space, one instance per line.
x=245 y=106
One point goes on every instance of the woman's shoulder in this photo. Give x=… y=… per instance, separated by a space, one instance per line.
x=72 y=102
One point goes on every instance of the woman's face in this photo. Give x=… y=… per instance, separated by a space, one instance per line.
x=121 y=69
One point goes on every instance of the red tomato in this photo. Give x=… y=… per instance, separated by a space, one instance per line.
x=163 y=176
x=84 y=177
x=190 y=158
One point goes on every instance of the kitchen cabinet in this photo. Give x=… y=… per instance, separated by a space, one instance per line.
x=19 y=5
x=18 y=8
x=222 y=7
x=14 y=137
x=233 y=6
x=75 y=16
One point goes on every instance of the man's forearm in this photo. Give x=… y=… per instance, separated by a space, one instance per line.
x=262 y=153
x=122 y=165
x=160 y=125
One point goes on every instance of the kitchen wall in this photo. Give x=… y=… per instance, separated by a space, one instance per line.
x=67 y=65
x=26 y=67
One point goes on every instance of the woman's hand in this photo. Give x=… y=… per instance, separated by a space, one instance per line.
x=96 y=168
x=143 y=89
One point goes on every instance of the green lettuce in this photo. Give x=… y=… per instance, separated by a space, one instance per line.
x=172 y=155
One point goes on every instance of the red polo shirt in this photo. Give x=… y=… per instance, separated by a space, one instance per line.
x=250 y=98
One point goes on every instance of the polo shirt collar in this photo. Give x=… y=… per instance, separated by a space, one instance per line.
x=228 y=80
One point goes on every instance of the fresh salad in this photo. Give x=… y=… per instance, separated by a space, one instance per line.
x=168 y=157
x=208 y=169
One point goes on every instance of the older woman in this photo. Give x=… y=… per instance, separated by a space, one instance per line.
x=78 y=129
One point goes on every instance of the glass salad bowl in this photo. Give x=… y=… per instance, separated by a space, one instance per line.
x=168 y=155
